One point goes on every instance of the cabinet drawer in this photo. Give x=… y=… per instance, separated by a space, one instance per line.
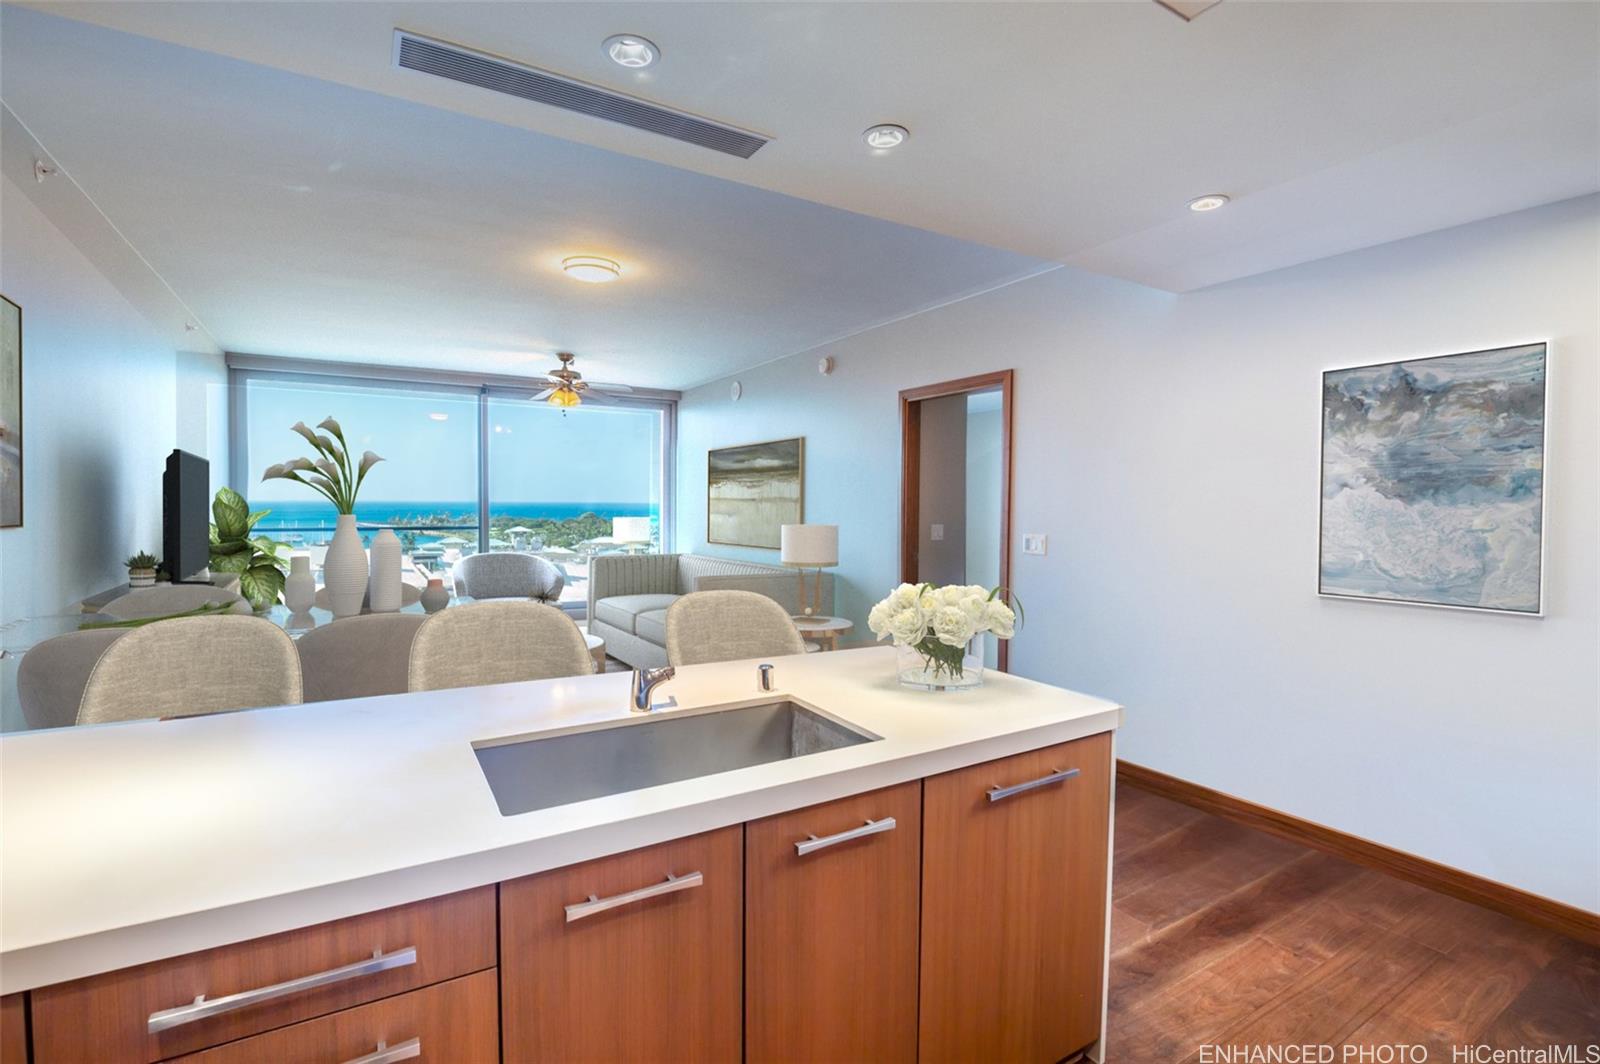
x=831 y=930
x=455 y=1022
x=1014 y=905
x=272 y=982
x=611 y=960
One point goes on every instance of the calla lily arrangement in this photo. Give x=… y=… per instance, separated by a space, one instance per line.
x=334 y=473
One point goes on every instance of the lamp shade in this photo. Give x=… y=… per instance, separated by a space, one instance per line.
x=630 y=529
x=809 y=545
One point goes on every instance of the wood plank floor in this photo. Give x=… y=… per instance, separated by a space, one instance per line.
x=1225 y=936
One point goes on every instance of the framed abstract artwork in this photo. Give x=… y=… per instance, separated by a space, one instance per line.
x=10 y=414
x=753 y=490
x=1433 y=481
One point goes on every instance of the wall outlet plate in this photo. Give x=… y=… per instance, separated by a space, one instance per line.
x=1035 y=543
x=936 y=533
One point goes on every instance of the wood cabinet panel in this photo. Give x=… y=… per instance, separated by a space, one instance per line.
x=831 y=936
x=1013 y=907
x=13 y=1029
x=454 y=1022
x=104 y=1017
x=654 y=980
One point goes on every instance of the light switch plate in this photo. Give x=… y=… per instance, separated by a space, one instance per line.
x=1035 y=543
x=936 y=533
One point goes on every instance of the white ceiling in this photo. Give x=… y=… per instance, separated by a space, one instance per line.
x=298 y=217
x=1067 y=132
x=1073 y=132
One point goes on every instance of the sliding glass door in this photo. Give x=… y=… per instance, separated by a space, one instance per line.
x=466 y=468
x=570 y=484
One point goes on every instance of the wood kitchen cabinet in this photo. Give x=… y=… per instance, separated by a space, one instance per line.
x=1013 y=905
x=831 y=930
x=13 y=1030
x=634 y=957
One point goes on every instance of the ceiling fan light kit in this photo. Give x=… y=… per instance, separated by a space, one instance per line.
x=568 y=389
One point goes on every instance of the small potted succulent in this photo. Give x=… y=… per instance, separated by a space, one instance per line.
x=142 y=569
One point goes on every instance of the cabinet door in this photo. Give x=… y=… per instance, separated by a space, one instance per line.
x=13 y=1030
x=612 y=960
x=108 y=1017
x=455 y=1022
x=831 y=932
x=1013 y=905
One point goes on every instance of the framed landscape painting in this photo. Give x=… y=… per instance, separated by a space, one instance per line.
x=10 y=414
x=753 y=490
x=1433 y=481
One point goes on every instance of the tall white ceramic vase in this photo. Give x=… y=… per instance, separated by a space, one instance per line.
x=344 y=570
x=300 y=589
x=383 y=587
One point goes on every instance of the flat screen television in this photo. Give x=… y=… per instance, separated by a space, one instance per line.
x=186 y=518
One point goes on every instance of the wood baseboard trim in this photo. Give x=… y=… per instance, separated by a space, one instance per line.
x=1501 y=897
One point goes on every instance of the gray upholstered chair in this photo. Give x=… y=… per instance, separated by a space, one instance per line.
x=728 y=625
x=496 y=642
x=508 y=574
x=51 y=676
x=355 y=657
x=164 y=600
x=192 y=665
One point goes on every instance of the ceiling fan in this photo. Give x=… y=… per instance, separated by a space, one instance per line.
x=568 y=388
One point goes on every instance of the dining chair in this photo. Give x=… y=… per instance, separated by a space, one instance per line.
x=356 y=657
x=164 y=600
x=706 y=626
x=188 y=666
x=496 y=642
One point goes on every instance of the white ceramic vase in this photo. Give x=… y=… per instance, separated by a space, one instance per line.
x=383 y=588
x=344 y=570
x=300 y=589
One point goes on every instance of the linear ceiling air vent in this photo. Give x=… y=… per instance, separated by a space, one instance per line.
x=541 y=86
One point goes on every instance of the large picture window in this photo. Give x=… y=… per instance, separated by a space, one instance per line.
x=466 y=469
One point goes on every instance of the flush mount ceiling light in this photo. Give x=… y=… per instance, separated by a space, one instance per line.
x=885 y=135
x=438 y=416
x=1208 y=203
x=591 y=269
x=631 y=50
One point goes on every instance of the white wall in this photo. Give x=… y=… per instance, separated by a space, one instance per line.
x=1169 y=447
x=105 y=399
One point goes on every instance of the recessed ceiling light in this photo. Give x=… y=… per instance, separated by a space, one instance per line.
x=1208 y=203
x=885 y=136
x=438 y=416
x=631 y=51
x=591 y=268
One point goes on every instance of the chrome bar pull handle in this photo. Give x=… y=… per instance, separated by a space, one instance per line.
x=811 y=844
x=998 y=792
x=671 y=885
x=410 y=1049
x=204 y=1008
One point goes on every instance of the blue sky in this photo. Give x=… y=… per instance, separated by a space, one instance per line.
x=430 y=445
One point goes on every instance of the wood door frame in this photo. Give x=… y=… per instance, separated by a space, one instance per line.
x=911 y=472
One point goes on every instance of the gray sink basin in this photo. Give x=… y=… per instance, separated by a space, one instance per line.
x=537 y=772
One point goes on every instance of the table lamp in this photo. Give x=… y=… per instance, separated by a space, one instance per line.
x=631 y=531
x=805 y=547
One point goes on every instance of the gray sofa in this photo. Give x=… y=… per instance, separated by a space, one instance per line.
x=629 y=595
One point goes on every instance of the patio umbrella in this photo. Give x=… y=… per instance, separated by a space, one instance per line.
x=563 y=551
x=520 y=530
x=455 y=541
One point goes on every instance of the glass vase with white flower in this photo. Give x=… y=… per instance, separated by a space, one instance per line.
x=938 y=631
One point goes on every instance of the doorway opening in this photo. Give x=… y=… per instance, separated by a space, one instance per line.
x=955 y=487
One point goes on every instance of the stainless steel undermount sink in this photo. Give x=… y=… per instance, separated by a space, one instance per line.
x=537 y=772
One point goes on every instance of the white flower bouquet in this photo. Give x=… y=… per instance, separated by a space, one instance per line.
x=939 y=622
x=334 y=474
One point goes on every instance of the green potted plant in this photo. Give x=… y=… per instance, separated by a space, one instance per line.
x=142 y=569
x=256 y=559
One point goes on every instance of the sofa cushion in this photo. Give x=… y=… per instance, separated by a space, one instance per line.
x=621 y=611
x=652 y=627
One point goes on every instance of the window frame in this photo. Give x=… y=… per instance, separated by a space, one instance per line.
x=243 y=369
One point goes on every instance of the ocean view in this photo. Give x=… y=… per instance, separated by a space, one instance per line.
x=564 y=524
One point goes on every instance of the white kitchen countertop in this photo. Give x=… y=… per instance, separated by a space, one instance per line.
x=127 y=843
